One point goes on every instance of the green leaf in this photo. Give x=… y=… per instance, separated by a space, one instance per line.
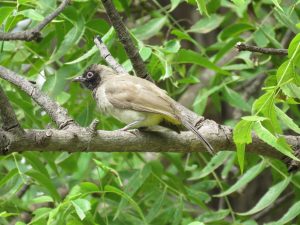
x=291 y=90
x=240 y=150
x=242 y=132
x=202 y=7
x=149 y=29
x=292 y=213
x=294 y=46
x=81 y=207
x=225 y=47
x=216 y=161
x=4 y=13
x=254 y=118
x=35 y=162
x=209 y=217
x=156 y=207
x=235 y=99
x=42 y=199
x=263 y=103
x=63 y=97
x=44 y=181
x=171 y=46
x=241 y=136
x=5 y=214
x=285 y=72
x=248 y=176
x=196 y=223
x=31 y=14
x=8 y=176
x=276 y=3
x=134 y=184
x=269 y=197
x=189 y=56
x=270 y=139
x=234 y=30
x=111 y=189
x=70 y=39
x=174 y=4
x=287 y=120
x=108 y=36
x=207 y=24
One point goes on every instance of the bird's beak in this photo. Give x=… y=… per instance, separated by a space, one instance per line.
x=78 y=79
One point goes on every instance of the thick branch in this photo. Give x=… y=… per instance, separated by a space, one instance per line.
x=271 y=51
x=8 y=116
x=58 y=114
x=124 y=37
x=79 y=140
x=105 y=54
x=34 y=33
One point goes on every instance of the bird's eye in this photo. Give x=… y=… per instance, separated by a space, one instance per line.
x=89 y=75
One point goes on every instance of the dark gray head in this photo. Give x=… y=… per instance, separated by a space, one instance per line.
x=93 y=75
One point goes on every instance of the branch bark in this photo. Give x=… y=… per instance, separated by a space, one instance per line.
x=105 y=54
x=79 y=140
x=124 y=37
x=34 y=33
x=8 y=116
x=58 y=114
x=270 y=51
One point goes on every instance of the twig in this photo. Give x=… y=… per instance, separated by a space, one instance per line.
x=271 y=51
x=105 y=54
x=9 y=118
x=34 y=33
x=124 y=37
x=58 y=114
x=23 y=190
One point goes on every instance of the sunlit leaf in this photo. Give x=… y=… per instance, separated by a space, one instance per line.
x=248 y=176
x=269 y=197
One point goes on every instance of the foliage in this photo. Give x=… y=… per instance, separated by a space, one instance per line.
x=182 y=43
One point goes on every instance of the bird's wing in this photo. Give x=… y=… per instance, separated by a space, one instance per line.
x=129 y=92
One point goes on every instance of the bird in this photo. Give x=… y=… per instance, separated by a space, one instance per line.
x=134 y=101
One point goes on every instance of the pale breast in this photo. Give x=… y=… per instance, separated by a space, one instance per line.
x=124 y=115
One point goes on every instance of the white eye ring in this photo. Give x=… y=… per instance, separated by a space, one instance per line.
x=89 y=75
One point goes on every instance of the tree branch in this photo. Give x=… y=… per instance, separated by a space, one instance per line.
x=105 y=54
x=58 y=114
x=271 y=51
x=79 y=140
x=124 y=37
x=34 y=33
x=8 y=116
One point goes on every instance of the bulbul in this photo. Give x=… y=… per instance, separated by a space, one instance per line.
x=134 y=101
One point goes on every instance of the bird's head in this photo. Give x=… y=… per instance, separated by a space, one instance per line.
x=93 y=75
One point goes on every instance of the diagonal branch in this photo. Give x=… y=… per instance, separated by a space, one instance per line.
x=124 y=37
x=8 y=116
x=105 y=54
x=271 y=51
x=34 y=33
x=58 y=114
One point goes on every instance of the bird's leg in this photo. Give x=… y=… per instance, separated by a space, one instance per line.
x=132 y=125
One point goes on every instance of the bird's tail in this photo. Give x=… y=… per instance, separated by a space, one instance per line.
x=190 y=127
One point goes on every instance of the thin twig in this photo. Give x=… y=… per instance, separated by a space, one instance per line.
x=105 y=54
x=8 y=116
x=271 y=51
x=34 y=33
x=124 y=37
x=58 y=114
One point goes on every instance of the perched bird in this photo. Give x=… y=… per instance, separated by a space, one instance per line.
x=134 y=101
